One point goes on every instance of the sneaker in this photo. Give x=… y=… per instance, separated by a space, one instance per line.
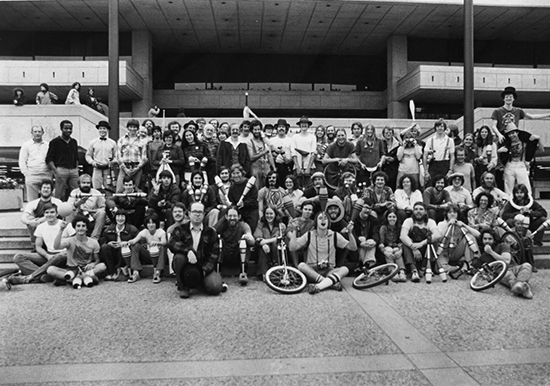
x=19 y=279
x=313 y=289
x=527 y=294
x=401 y=277
x=156 y=277
x=456 y=273
x=224 y=287
x=414 y=277
x=243 y=279
x=184 y=293
x=337 y=286
x=125 y=271
x=134 y=277
x=517 y=288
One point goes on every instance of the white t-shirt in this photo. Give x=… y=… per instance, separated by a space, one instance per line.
x=49 y=232
x=159 y=235
x=284 y=143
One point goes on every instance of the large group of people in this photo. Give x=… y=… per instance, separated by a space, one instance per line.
x=198 y=199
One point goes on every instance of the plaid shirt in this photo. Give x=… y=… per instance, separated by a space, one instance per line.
x=132 y=150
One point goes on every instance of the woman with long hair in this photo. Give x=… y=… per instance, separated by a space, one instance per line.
x=390 y=244
x=486 y=152
x=391 y=163
x=19 y=98
x=73 y=97
x=195 y=154
x=269 y=230
x=322 y=144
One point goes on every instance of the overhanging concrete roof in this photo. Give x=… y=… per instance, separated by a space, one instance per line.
x=284 y=26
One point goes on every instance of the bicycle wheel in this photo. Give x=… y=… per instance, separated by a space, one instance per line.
x=286 y=280
x=517 y=249
x=488 y=275
x=333 y=173
x=375 y=276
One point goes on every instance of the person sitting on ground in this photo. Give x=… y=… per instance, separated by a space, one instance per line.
x=521 y=228
x=436 y=198
x=33 y=214
x=517 y=276
x=454 y=249
x=523 y=203
x=33 y=266
x=88 y=202
x=247 y=204
x=163 y=197
x=83 y=264
x=390 y=245
x=460 y=196
x=268 y=232
x=367 y=232
x=405 y=196
x=347 y=193
x=335 y=212
x=199 y=191
x=115 y=251
x=489 y=186
x=416 y=232
x=196 y=251
x=379 y=194
x=132 y=200
x=148 y=246
x=301 y=225
x=320 y=266
x=237 y=240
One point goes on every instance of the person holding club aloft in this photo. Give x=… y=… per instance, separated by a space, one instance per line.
x=244 y=195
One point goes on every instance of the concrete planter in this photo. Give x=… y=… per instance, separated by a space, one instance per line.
x=11 y=199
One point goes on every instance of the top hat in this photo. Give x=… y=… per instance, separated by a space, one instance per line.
x=103 y=124
x=509 y=90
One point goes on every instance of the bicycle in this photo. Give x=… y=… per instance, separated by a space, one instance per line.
x=375 y=276
x=334 y=171
x=283 y=278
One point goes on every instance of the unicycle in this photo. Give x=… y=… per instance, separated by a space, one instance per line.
x=488 y=275
x=375 y=276
x=282 y=278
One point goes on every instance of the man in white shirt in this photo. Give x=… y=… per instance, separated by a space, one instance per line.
x=101 y=154
x=439 y=153
x=33 y=266
x=304 y=145
x=282 y=151
x=32 y=162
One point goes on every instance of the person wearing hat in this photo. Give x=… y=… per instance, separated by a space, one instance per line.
x=282 y=150
x=303 y=148
x=516 y=154
x=460 y=196
x=508 y=113
x=132 y=155
x=101 y=155
x=196 y=252
x=312 y=192
x=114 y=238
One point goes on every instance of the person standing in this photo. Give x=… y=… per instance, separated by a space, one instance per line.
x=73 y=97
x=45 y=96
x=259 y=150
x=62 y=159
x=303 y=148
x=439 y=152
x=32 y=162
x=101 y=154
x=132 y=155
x=233 y=151
x=282 y=150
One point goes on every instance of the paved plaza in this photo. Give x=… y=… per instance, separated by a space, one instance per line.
x=399 y=334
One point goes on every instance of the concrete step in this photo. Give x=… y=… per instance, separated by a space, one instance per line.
x=14 y=232
x=15 y=243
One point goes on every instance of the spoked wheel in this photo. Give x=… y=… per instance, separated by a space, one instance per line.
x=375 y=276
x=286 y=280
x=517 y=249
x=488 y=275
x=333 y=173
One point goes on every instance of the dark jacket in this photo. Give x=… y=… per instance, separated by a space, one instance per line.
x=530 y=147
x=208 y=251
x=225 y=156
x=171 y=195
x=110 y=234
x=176 y=156
x=537 y=211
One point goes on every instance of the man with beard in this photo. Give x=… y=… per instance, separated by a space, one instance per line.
x=489 y=186
x=247 y=204
x=171 y=155
x=132 y=200
x=282 y=151
x=259 y=150
x=303 y=148
x=237 y=239
x=196 y=252
x=460 y=196
x=339 y=154
x=368 y=236
x=312 y=193
x=90 y=203
x=347 y=193
x=62 y=158
x=271 y=194
x=212 y=143
x=33 y=215
x=175 y=128
x=33 y=266
x=523 y=203
x=245 y=128
x=221 y=189
x=335 y=213
x=163 y=197
x=436 y=198
x=101 y=154
x=178 y=218
x=331 y=134
x=320 y=267
x=416 y=232
x=233 y=151
x=32 y=162
x=379 y=194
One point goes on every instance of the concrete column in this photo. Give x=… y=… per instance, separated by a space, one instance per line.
x=397 y=68
x=142 y=62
